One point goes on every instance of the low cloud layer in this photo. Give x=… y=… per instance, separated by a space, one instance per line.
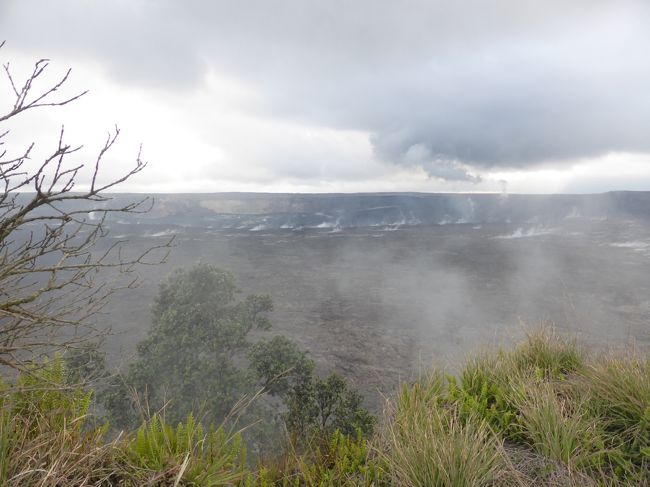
x=458 y=89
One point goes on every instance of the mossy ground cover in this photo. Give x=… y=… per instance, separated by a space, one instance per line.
x=544 y=413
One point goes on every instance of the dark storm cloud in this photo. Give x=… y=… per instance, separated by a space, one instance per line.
x=453 y=87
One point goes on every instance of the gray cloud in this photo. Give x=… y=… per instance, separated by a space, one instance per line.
x=453 y=87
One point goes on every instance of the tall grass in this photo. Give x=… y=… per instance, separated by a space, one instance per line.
x=618 y=389
x=46 y=440
x=493 y=384
x=43 y=439
x=547 y=354
x=590 y=415
x=431 y=445
x=560 y=428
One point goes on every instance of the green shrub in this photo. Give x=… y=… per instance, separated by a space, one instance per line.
x=43 y=393
x=488 y=389
x=341 y=460
x=187 y=454
x=589 y=415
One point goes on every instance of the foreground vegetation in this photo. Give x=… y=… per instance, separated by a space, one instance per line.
x=545 y=413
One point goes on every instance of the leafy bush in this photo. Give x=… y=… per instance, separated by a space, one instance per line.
x=314 y=405
x=162 y=454
x=340 y=460
x=43 y=392
x=488 y=389
x=324 y=406
x=279 y=364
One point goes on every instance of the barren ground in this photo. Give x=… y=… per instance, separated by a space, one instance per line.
x=379 y=305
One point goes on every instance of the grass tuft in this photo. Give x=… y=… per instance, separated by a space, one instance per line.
x=618 y=389
x=430 y=444
x=548 y=355
x=560 y=428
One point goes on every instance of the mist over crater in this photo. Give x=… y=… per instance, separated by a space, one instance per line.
x=380 y=286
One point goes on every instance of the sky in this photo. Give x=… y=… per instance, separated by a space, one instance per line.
x=343 y=95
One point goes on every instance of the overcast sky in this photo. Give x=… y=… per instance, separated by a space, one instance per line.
x=347 y=95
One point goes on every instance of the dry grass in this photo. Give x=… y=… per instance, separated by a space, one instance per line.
x=35 y=454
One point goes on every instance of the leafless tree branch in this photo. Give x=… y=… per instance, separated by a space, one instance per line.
x=54 y=263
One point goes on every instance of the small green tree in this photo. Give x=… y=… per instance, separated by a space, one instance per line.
x=340 y=408
x=188 y=361
x=198 y=359
x=314 y=405
x=279 y=364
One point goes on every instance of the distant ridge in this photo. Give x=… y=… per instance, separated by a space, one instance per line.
x=280 y=211
x=302 y=211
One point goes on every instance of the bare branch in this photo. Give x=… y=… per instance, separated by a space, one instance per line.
x=57 y=271
x=24 y=100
